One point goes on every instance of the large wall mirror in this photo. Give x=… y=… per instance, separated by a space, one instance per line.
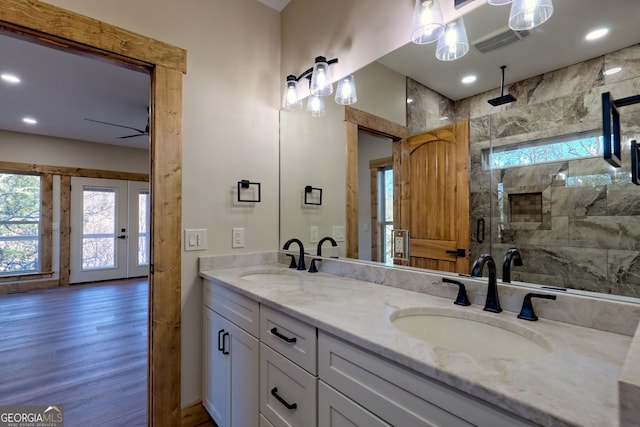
x=538 y=181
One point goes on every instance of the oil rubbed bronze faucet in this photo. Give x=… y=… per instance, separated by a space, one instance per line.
x=325 y=239
x=301 y=265
x=512 y=254
x=492 y=302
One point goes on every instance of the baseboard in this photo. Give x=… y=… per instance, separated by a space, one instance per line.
x=196 y=416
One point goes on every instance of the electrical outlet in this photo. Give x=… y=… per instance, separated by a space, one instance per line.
x=237 y=238
x=313 y=234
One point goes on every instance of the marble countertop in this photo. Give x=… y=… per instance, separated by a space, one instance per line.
x=576 y=384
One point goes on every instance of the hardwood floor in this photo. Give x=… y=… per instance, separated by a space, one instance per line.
x=82 y=347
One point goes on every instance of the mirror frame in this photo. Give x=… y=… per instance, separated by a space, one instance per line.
x=63 y=29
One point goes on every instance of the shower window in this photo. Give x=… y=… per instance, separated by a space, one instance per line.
x=568 y=147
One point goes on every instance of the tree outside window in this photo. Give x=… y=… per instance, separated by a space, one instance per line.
x=20 y=206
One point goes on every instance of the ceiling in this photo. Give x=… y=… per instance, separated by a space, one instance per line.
x=62 y=90
x=554 y=44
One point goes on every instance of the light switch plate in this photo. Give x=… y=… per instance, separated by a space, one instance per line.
x=313 y=234
x=195 y=239
x=338 y=233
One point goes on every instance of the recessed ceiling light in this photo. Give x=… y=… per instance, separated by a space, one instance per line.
x=444 y=117
x=613 y=70
x=469 y=79
x=597 y=34
x=29 y=120
x=409 y=100
x=10 y=78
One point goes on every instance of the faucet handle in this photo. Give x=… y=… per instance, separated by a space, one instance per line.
x=312 y=267
x=462 y=298
x=527 y=312
x=293 y=263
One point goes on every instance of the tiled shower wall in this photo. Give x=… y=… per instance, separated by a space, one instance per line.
x=588 y=233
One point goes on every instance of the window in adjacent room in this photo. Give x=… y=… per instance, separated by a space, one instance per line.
x=20 y=223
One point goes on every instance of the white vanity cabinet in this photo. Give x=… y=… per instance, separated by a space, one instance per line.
x=288 y=368
x=230 y=357
x=399 y=396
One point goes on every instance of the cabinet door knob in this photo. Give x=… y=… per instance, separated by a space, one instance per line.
x=274 y=393
x=275 y=332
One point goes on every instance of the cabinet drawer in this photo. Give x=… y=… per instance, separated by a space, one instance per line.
x=292 y=338
x=264 y=422
x=284 y=383
x=237 y=308
x=400 y=396
x=337 y=410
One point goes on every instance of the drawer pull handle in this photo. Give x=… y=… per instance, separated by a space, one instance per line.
x=275 y=332
x=220 y=342
x=274 y=393
x=224 y=347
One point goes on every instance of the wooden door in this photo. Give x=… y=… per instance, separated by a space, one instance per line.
x=433 y=179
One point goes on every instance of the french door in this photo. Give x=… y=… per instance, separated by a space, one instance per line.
x=109 y=229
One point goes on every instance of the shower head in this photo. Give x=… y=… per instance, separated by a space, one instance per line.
x=502 y=99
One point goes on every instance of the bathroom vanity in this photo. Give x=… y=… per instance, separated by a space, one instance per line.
x=292 y=348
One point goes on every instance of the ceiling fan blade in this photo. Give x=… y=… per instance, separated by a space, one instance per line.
x=142 y=132
x=133 y=136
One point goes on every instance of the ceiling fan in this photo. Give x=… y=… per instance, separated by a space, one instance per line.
x=140 y=132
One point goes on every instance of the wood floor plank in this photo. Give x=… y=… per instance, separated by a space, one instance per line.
x=82 y=347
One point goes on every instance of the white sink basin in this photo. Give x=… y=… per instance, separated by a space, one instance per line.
x=471 y=333
x=270 y=276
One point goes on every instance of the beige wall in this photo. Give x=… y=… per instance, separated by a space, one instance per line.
x=357 y=32
x=26 y=148
x=230 y=128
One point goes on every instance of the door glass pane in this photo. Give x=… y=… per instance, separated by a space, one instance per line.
x=98 y=228
x=388 y=195
x=143 y=227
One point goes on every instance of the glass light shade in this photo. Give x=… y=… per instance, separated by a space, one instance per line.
x=346 y=91
x=321 y=83
x=428 y=24
x=454 y=44
x=315 y=106
x=527 y=14
x=499 y=2
x=290 y=99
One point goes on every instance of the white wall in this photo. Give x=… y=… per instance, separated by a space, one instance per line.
x=44 y=150
x=230 y=128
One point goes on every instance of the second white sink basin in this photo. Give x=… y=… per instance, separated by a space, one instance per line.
x=270 y=276
x=471 y=333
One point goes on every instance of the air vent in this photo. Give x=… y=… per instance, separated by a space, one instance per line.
x=503 y=38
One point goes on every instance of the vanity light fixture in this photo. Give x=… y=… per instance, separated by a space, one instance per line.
x=596 y=34
x=315 y=106
x=528 y=14
x=320 y=85
x=427 y=25
x=454 y=43
x=10 y=78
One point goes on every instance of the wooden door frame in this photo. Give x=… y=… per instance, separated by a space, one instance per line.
x=356 y=120
x=62 y=29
